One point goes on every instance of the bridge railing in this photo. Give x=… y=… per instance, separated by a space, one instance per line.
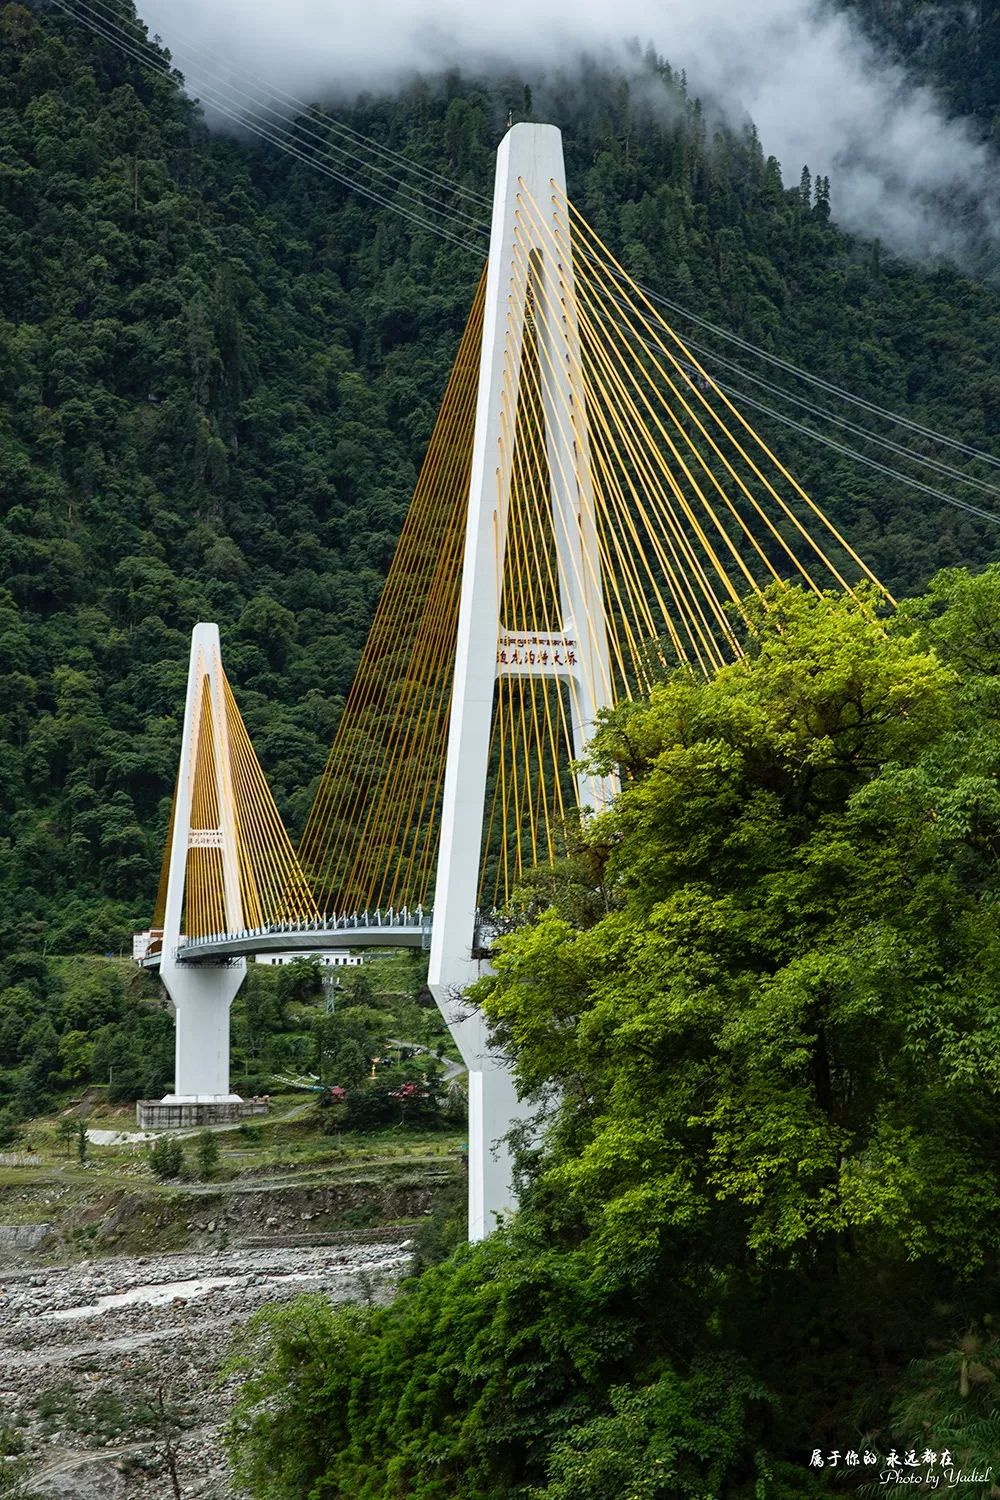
x=390 y=918
x=489 y=926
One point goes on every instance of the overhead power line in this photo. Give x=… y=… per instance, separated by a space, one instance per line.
x=826 y=385
x=261 y=106
x=426 y=210
x=872 y=463
x=248 y=120
x=271 y=92
x=825 y=414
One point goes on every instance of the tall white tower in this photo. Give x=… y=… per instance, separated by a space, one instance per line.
x=529 y=237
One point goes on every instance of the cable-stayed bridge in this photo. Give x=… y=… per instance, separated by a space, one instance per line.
x=592 y=513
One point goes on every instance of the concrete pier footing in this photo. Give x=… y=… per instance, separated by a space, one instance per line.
x=173 y=1113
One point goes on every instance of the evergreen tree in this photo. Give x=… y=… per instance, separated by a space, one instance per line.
x=208 y=1153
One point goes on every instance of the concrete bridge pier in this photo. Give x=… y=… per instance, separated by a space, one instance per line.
x=493 y=1108
x=202 y=996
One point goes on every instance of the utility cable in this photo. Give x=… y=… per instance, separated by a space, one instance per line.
x=266 y=130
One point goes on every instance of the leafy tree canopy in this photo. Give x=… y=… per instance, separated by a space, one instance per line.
x=767 y=1176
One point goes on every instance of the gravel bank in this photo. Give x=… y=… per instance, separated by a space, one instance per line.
x=84 y=1348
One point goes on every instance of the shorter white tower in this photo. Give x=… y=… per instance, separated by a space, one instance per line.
x=202 y=993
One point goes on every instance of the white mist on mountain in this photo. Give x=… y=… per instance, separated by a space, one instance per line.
x=819 y=90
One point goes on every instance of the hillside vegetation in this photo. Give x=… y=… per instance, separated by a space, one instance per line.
x=757 y=1010
x=218 y=371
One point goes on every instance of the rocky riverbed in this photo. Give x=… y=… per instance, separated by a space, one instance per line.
x=106 y=1363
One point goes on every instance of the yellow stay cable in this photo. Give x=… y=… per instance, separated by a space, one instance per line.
x=411 y=883
x=561 y=245
x=532 y=377
x=618 y=421
x=269 y=857
x=640 y=452
x=416 y=728
x=456 y=458
x=494 y=805
x=548 y=583
x=213 y=857
x=422 y=524
x=348 y=793
x=560 y=414
x=255 y=909
x=653 y=318
x=393 y=735
x=160 y=907
x=204 y=814
x=503 y=744
x=534 y=619
x=629 y=368
x=259 y=870
x=262 y=879
x=594 y=407
x=514 y=522
x=562 y=420
x=618 y=331
x=596 y=404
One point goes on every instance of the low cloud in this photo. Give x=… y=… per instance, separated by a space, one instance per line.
x=820 y=91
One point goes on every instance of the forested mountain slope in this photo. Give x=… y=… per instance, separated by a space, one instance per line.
x=950 y=43
x=218 y=370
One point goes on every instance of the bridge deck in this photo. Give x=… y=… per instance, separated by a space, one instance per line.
x=312 y=938
x=299 y=939
x=367 y=930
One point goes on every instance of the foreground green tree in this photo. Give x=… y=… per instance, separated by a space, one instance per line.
x=768 y=1060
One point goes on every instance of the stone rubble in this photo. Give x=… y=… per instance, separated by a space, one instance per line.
x=72 y=1376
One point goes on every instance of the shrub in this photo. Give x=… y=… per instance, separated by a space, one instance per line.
x=166 y=1157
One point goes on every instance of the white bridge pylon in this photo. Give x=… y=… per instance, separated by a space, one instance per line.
x=528 y=247
x=202 y=994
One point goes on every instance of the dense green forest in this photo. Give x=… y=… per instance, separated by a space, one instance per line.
x=218 y=371
x=69 y=1024
x=757 y=1008
x=758 y=1240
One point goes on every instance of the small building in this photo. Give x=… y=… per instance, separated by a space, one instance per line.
x=146 y=943
x=327 y=959
x=173 y=1113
